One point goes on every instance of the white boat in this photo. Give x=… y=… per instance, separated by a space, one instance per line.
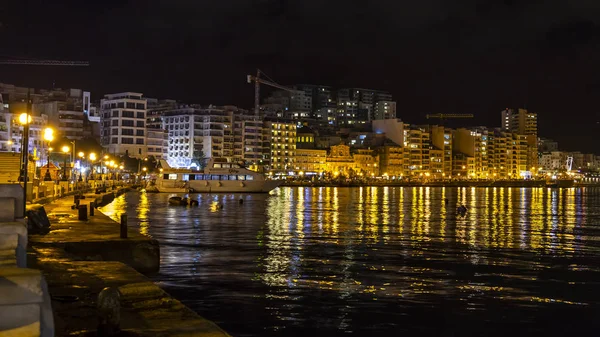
x=219 y=176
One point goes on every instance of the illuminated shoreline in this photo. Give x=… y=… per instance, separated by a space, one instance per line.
x=460 y=183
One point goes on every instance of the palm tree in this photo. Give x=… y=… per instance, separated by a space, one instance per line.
x=198 y=159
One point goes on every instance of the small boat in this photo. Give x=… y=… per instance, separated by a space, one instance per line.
x=558 y=183
x=178 y=201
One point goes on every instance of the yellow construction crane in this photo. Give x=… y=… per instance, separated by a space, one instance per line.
x=257 y=82
x=443 y=117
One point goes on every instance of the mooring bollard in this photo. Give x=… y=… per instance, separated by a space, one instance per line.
x=109 y=312
x=123 y=226
x=92 y=207
x=82 y=212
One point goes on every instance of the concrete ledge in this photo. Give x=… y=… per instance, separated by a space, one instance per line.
x=8 y=258
x=20 y=286
x=143 y=256
x=20 y=229
x=146 y=310
x=24 y=303
x=14 y=191
x=9 y=241
x=7 y=209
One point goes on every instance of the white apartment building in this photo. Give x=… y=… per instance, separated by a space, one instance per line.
x=123 y=123
x=157 y=138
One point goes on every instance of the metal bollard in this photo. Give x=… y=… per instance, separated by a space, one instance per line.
x=123 y=226
x=92 y=207
x=82 y=212
x=109 y=312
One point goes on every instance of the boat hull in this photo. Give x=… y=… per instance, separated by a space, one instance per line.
x=220 y=186
x=224 y=186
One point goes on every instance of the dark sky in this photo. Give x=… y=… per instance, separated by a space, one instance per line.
x=467 y=56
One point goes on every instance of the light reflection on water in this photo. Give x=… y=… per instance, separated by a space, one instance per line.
x=380 y=260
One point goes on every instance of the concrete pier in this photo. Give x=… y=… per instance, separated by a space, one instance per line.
x=97 y=238
x=80 y=258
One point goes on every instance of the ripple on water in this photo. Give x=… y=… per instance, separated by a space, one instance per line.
x=375 y=261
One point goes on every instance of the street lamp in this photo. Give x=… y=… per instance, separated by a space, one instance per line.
x=49 y=137
x=65 y=150
x=25 y=120
x=82 y=156
x=92 y=160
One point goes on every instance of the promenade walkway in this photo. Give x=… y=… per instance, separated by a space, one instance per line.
x=80 y=258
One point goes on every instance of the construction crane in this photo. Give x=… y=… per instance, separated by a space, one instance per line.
x=46 y=63
x=257 y=82
x=443 y=117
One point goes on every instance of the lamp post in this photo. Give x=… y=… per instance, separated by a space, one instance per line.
x=25 y=120
x=82 y=156
x=49 y=137
x=105 y=158
x=144 y=169
x=65 y=150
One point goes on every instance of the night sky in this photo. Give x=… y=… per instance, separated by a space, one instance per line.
x=467 y=56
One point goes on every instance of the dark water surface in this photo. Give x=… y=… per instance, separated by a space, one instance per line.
x=379 y=261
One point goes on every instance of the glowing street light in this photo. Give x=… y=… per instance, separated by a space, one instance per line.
x=65 y=150
x=49 y=137
x=25 y=120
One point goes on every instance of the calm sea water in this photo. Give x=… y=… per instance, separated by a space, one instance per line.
x=381 y=261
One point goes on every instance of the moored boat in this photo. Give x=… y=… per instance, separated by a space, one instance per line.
x=557 y=183
x=219 y=176
x=178 y=201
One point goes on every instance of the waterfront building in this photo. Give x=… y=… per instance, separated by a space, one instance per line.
x=523 y=122
x=555 y=161
x=123 y=124
x=340 y=161
x=507 y=157
x=157 y=137
x=305 y=138
x=391 y=159
x=417 y=147
x=310 y=161
x=195 y=133
x=366 y=161
x=281 y=140
x=436 y=163
x=463 y=166
x=441 y=139
x=392 y=128
x=474 y=144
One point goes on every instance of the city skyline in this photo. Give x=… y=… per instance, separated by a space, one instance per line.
x=433 y=57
